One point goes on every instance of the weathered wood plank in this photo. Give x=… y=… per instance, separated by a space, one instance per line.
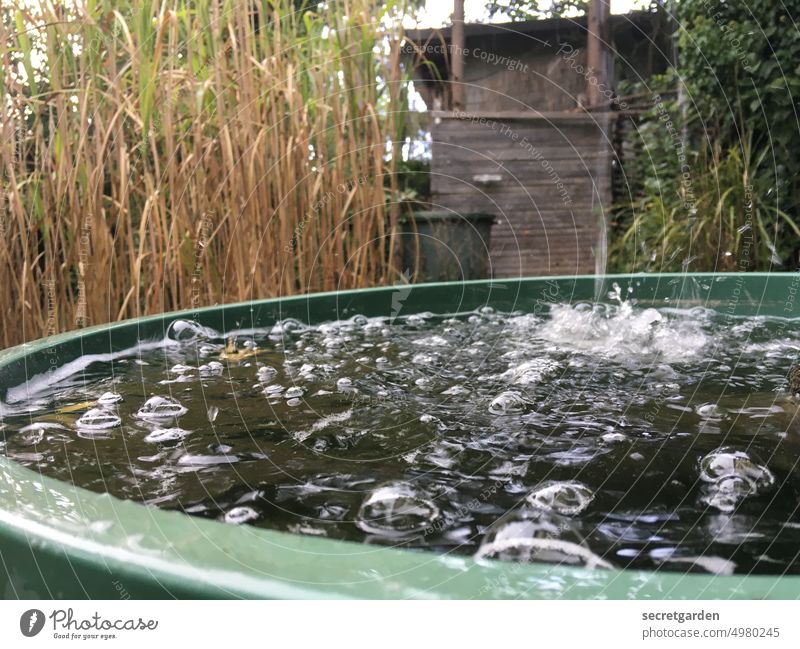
x=549 y=200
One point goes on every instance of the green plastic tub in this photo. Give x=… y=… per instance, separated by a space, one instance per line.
x=59 y=541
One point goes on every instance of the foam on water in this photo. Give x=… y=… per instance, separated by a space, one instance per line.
x=621 y=331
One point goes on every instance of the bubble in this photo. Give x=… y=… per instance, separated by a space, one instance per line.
x=162 y=435
x=212 y=368
x=161 y=408
x=287 y=326
x=98 y=419
x=240 y=515
x=507 y=403
x=565 y=498
x=344 y=383
x=423 y=359
x=272 y=390
x=709 y=411
x=727 y=492
x=327 y=328
x=530 y=372
x=213 y=411
x=265 y=373
x=397 y=510
x=181 y=369
x=643 y=322
x=109 y=398
x=188 y=331
x=611 y=438
x=731 y=462
x=536 y=539
x=293 y=393
x=432 y=341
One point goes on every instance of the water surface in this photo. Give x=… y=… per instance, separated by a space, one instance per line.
x=598 y=435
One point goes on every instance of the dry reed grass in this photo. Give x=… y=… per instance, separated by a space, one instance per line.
x=164 y=155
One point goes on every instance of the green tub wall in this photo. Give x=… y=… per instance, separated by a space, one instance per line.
x=59 y=541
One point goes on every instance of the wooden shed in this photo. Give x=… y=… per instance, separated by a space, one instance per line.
x=528 y=133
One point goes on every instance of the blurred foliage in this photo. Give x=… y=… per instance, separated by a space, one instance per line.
x=414 y=180
x=532 y=9
x=711 y=170
x=741 y=63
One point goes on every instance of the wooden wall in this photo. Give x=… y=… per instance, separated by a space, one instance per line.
x=553 y=193
x=534 y=78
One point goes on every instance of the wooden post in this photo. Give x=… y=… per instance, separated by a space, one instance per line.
x=598 y=54
x=457 y=40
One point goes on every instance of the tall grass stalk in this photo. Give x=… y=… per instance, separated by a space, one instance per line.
x=173 y=154
x=729 y=221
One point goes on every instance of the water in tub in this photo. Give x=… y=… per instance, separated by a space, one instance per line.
x=594 y=435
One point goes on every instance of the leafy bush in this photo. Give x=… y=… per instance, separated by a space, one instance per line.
x=730 y=225
x=740 y=61
x=713 y=182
